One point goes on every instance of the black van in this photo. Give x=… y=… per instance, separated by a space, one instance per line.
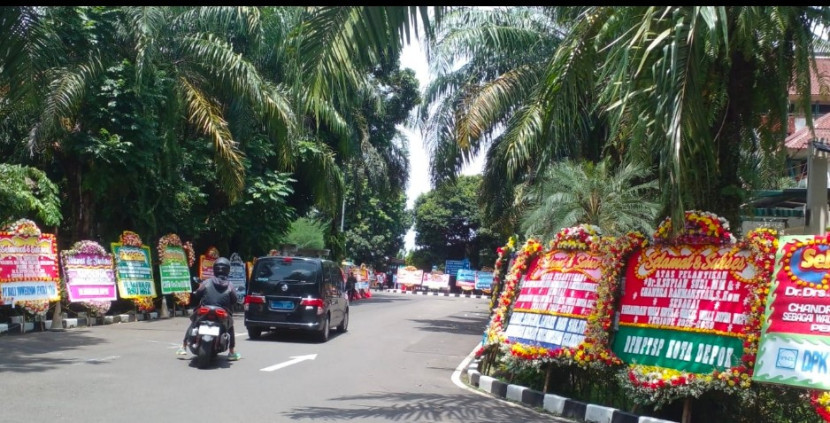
x=296 y=293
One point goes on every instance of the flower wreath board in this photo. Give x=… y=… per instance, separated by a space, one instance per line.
x=795 y=344
x=436 y=280
x=556 y=296
x=88 y=271
x=133 y=267
x=173 y=269
x=206 y=263
x=465 y=279
x=237 y=275
x=690 y=308
x=409 y=276
x=484 y=281
x=28 y=264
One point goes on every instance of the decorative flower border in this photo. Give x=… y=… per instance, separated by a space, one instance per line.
x=658 y=385
x=821 y=402
x=144 y=304
x=34 y=307
x=700 y=228
x=615 y=254
x=23 y=227
x=174 y=240
x=97 y=308
x=495 y=337
x=130 y=238
x=502 y=260
x=86 y=247
x=182 y=298
x=578 y=238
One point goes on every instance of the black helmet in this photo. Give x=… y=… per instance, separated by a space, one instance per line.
x=221 y=267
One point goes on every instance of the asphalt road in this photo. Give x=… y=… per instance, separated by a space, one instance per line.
x=395 y=364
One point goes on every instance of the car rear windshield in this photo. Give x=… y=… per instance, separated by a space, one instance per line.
x=285 y=270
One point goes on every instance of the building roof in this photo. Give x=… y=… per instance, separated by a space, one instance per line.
x=799 y=140
x=817 y=79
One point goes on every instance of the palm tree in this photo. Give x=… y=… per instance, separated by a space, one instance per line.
x=195 y=50
x=571 y=193
x=485 y=64
x=488 y=67
x=682 y=88
x=188 y=51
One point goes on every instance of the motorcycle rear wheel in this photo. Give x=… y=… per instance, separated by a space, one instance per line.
x=204 y=355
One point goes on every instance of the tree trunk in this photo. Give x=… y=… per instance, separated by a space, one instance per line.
x=728 y=192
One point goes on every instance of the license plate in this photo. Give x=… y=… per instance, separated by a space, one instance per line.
x=209 y=330
x=282 y=305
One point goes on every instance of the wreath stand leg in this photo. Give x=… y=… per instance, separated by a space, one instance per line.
x=687 y=411
x=57 y=318
x=165 y=313
x=547 y=378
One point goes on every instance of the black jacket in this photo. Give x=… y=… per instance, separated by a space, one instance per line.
x=216 y=291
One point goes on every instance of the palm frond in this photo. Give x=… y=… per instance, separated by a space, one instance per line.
x=206 y=116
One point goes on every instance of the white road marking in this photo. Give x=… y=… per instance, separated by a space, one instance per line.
x=294 y=360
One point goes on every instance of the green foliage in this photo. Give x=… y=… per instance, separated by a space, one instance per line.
x=448 y=223
x=569 y=194
x=762 y=403
x=26 y=192
x=375 y=226
x=685 y=89
x=307 y=233
x=262 y=219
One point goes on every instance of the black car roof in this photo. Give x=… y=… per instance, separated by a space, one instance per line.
x=314 y=259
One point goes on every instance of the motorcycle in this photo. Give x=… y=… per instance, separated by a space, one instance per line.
x=209 y=336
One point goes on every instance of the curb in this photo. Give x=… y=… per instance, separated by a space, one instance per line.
x=554 y=404
x=18 y=326
x=437 y=294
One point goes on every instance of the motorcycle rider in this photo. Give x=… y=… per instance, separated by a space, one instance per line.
x=217 y=291
x=351 y=282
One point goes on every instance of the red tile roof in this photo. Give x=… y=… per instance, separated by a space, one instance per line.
x=798 y=140
x=816 y=80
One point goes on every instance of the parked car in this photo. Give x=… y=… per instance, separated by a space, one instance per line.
x=299 y=293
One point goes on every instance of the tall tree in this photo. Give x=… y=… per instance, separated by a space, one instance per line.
x=448 y=222
x=184 y=57
x=680 y=87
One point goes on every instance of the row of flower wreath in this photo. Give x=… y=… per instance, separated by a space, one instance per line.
x=700 y=228
x=129 y=238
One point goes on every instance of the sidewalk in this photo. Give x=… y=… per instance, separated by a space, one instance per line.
x=439 y=293
x=17 y=326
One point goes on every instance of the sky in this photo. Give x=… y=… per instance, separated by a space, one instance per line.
x=413 y=57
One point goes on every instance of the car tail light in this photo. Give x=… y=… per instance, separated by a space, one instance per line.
x=254 y=299
x=312 y=302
